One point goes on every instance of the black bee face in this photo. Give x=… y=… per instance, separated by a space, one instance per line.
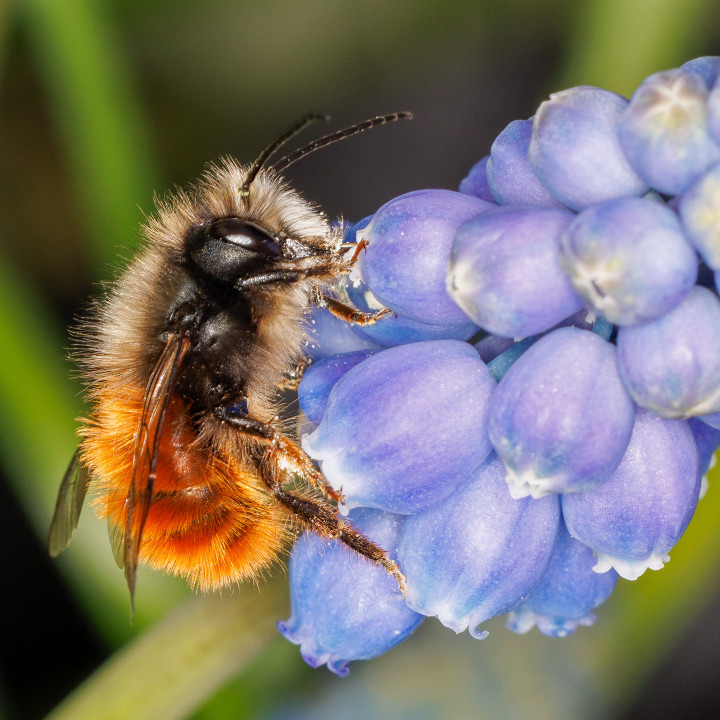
x=227 y=249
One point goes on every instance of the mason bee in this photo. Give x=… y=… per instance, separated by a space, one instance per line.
x=183 y=359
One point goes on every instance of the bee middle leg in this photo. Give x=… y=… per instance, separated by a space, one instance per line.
x=293 y=378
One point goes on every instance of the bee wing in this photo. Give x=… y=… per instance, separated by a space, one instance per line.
x=158 y=393
x=68 y=506
x=116 y=533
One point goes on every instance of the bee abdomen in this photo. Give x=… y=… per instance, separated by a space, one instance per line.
x=209 y=521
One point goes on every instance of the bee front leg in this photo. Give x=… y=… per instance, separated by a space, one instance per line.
x=351 y=314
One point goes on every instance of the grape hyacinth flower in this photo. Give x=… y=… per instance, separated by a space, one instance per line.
x=635 y=518
x=389 y=443
x=568 y=592
x=510 y=177
x=665 y=133
x=410 y=238
x=514 y=451
x=575 y=149
x=505 y=273
x=344 y=608
x=700 y=214
x=629 y=260
x=476 y=554
x=672 y=365
x=561 y=419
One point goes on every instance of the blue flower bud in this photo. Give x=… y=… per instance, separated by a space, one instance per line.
x=409 y=241
x=707 y=440
x=505 y=271
x=406 y=427
x=699 y=211
x=397 y=329
x=328 y=335
x=561 y=419
x=475 y=183
x=568 y=592
x=511 y=179
x=629 y=260
x=671 y=366
x=575 y=149
x=478 y=553
x=493 y=345
x=664 y=132
x=319 y=379
x=634 y=519
x=713 y=112
x=345 y=608
x=707 y=67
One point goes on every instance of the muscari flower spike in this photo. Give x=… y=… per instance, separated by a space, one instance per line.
x=513 y=451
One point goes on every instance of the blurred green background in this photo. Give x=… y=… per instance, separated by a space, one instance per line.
x=103 y=103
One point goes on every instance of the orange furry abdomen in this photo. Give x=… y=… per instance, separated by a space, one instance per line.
x=210 y=520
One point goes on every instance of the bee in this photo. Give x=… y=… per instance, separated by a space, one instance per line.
x=183 y=358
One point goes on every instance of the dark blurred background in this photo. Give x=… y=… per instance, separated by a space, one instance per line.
x=105 y=102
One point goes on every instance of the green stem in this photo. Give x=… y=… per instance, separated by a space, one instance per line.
x=181 y=661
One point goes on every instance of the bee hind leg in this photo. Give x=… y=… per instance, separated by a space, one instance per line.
x=296 y=462
x=282 y=461
x=323 y=520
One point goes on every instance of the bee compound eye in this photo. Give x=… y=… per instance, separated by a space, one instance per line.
x=245 y=234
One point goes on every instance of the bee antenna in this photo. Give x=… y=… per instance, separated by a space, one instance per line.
x=273 y=146
x=279 y=166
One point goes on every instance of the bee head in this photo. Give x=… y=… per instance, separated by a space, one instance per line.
x=225 y=249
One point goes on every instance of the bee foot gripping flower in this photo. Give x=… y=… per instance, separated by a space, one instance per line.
x=595 y=474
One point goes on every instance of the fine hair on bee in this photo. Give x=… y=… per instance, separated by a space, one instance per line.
x=183 y=359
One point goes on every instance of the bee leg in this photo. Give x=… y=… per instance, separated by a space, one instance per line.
x=323 y=520
x=297 y=462
x=292 y=381
x=350 y=314
x=285 y=460
x=285 y=276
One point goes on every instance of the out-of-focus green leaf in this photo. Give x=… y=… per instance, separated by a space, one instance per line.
x=97 y=115
x=37 y=422
x=616 y=43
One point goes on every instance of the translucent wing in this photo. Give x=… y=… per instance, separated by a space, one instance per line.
x=68 y=506
x=147 y=447
x=116 y=533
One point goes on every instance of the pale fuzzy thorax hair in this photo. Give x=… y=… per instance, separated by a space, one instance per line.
x=121 y=340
